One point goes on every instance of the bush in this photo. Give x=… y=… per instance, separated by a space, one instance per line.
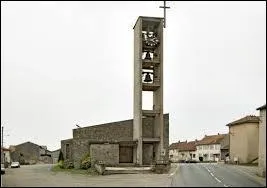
x=61 y=164
x=68 y=164
x=85 y=162
x=21 y=161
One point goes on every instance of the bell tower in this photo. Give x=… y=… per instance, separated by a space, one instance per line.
x=148 y=77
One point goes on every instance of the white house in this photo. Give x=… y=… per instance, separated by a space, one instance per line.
x=209 y=148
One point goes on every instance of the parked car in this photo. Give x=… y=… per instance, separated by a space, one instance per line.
x=15 y=165
x=3 y=170
x=190 y=161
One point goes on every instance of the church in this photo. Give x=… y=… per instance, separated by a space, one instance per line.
x=113 y=143
x=143 y=140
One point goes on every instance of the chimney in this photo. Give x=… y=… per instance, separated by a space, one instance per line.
x=218 y=133
x=179 y=141
x=186 y=141
x=195 y=140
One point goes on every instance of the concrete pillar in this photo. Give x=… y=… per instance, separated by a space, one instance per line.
x=137 y=120
x=262 y=142
x=155 y=65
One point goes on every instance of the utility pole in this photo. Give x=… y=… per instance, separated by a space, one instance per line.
x=2 y=145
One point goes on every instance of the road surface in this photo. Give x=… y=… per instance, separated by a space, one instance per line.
x=212 y=175
x=186 y=175
x=41 y=176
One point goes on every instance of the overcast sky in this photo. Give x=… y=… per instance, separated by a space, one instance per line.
x=64 y=63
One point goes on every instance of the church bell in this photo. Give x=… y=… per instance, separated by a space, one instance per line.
x=147 y=78
x=147 y=56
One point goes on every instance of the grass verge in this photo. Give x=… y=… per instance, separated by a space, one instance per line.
x=89 y=171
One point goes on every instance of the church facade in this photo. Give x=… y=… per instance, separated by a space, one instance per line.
x=113 y=143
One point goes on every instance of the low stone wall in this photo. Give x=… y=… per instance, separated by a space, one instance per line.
x=108 y=153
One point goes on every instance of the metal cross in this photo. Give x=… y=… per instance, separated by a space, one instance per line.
x=164 y=7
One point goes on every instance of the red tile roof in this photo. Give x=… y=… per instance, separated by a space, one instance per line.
x=184 y=146
x=212 y=139
x=4 y=149
x=246 y=119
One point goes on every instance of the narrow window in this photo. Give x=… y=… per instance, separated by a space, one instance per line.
x=67 y=151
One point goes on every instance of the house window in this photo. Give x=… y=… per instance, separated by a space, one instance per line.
x=211 y=146
x=194 y=155
x=200 y=147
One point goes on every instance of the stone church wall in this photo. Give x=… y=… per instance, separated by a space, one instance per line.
x=105 y=152
x=92 y=136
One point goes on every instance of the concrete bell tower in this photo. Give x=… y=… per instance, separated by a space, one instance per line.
x=148 y=76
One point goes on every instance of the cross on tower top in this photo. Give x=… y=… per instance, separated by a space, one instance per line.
x=164 y=7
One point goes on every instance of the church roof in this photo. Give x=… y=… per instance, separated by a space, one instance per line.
x=4 y=149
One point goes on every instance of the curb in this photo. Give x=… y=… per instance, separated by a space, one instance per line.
x=172 y=175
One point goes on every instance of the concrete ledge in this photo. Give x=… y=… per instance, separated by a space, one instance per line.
x=127 y=170
x=162 y=168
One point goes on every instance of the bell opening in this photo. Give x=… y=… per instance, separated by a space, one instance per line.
x=147 y=56
x=147 y=77
x=147 y=100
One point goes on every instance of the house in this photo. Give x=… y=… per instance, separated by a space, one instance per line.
x=183 y=151
x=262 y=141
x=244 y=139
x=30 y=153
x=55 y=156
x=209 y=148
x=225 y=147
x=5 y=155
x=45 y=155
x=113 y=143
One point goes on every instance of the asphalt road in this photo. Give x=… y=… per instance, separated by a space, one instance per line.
x=212 y=175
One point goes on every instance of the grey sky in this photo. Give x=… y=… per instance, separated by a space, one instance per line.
x=64 y=63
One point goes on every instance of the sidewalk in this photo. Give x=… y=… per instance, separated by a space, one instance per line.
x=174 y=169
x=251 y=171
